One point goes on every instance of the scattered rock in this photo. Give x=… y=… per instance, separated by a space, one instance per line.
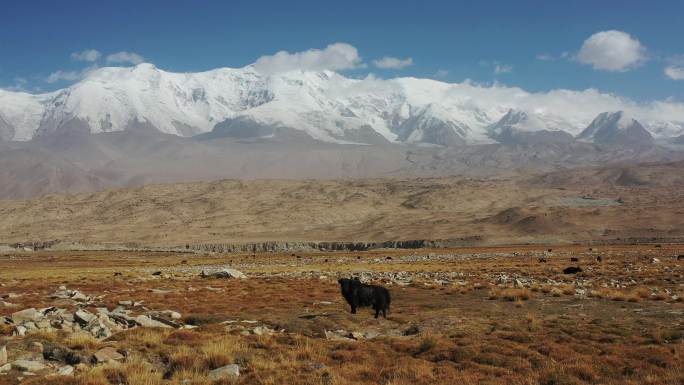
x=84 y=317
x=67 y=370
x=262 y=331
x=107 y=354
x=338 y=335
x=27 y=315
x=231 y=371
x=223 y=273
x=19 y=331
x=73 y=295
x=3 y=355
x=5 y=368
x=28 y=365
x=148 y=322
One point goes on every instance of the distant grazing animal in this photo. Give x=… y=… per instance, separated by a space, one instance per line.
x=358 y=294
x=573 y=259
x=680 y=257
x=599 y=259
x=543 y=260
x=572 y=270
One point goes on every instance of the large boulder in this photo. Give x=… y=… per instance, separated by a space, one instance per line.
x=28 y=365
x=27 y=315
x=84 y=317
x=106 y=355
x=223 y=273
x=227 y=372
x=148 y=322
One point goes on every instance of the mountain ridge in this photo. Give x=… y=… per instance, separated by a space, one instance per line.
x=324 y=105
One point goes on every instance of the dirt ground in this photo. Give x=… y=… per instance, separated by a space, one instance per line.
x=504 y=315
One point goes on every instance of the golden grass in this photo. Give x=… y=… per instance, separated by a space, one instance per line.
x=464 y=338
x=510 y=294
x=81 y=340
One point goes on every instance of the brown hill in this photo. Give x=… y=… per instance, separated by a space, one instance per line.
x=556 y=207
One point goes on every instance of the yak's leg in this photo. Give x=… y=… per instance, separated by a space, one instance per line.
x=384 y=313
x=377 y=312
x=353 y=307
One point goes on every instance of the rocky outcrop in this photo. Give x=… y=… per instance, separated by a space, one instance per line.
x=332 y=246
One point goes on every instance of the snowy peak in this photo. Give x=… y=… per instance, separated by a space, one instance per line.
x=616 y=128
x=322 y=105
x=520 y=127
x=432 y=125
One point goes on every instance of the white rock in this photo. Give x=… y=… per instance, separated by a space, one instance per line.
x=5 y=368
x=26 y=315
x=67 y=370
x=19 y=330
x=227 y=372
x=3 y=355
x=224 y=273
x=84 y=316
x=29 y=366
x=148 y=322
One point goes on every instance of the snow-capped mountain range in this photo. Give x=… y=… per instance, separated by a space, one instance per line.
x=326 y=106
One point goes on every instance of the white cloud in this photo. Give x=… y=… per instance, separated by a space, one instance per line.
x=389 y=62
x=90 y=55
x=60 y=75
x=674 y=72
x=502 y=69
x=63 y=75
x=545 y=57
x=125 y=57
x=338 y=56
x=612 y=51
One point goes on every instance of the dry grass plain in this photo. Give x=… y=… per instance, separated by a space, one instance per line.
x=493 y=315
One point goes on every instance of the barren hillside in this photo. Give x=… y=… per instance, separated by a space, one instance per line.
x=564 y=206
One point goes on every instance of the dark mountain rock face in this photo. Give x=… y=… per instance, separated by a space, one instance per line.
x=616 y=128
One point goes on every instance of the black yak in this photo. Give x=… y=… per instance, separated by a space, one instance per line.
x=358 y=295
x=572 y=270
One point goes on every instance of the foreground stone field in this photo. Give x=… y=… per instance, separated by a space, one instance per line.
x=505 y=315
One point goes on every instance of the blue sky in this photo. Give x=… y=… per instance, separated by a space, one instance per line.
x=449 y=40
